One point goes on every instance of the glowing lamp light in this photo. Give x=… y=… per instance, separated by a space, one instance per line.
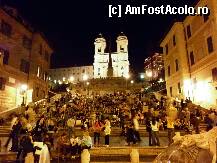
x=85 y=77
x=161 y=80
x=71 y=79
x=131 y=81
x=149 y=73
x=64 y=78
x=142 y=76
x=23 y=87
x=127 y=76
x=88 y=83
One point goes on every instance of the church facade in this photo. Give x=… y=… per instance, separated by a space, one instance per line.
x=119 y=59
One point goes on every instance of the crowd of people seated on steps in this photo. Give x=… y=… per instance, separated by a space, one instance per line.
x=57 y=120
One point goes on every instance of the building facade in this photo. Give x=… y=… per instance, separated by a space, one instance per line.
x=71 y=74
x=190 y=52
x=154 y=67
x=120 y=62
x=24 y=61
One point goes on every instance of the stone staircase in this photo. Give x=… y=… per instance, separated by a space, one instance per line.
x=100 y=155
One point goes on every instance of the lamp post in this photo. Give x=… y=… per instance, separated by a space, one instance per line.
x=127 y=77
x=88 y=83
x=71 y=79
x=85 y=78
x=142 y=77
x=149 y=74
x=23 y=92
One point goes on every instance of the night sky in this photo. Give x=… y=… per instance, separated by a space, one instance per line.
x=72 y=25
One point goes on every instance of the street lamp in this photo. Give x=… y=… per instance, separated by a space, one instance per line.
x=160 y=80
x=85 y=77
x=142 y=76
x=71 y=79
x=23 y=89
x=127 y=77
x=88 y=83
x=149 y=73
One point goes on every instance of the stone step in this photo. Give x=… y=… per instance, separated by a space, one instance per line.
x=102 y=154
x=7 y=156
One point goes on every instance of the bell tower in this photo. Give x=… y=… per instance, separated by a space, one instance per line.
x=120 y=60
x=101 y=58
x=100 y=44
x=122 y=43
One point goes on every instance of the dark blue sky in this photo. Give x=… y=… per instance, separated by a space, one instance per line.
x=72 y=25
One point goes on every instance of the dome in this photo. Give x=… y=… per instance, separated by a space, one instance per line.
x=122 y=36
x=100 y=38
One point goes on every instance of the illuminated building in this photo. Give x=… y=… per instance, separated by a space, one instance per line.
x=24 y=61
x=71 y=74
x=153 y=66
x=119 y=59
x=190 y=57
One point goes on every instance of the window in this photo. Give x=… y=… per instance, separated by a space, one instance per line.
x=121 y=48
x=171 y=91
x=40 y=49
x=27 y=43
x=45 y=76
x=188 y=31
x=6 y=28
x=168 y=70
x=24 y=66
x=192 y=58
x=214 y=74
x=166 y=49
x=98 y=69
x=179 y=87
x=38 y=71
x=2 y=83
x=174 y=40
x=210 y=44
x=177 y=65
x=99 y=50
x=5 y=56
x=46 y=56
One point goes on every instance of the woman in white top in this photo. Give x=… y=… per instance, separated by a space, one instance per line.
x=155 y=132
x=107 y=132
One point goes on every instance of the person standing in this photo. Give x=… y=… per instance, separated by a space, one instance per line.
x=96 y=129
x=27 y=148
x=155 y=132
x=148 y=129
x=13 y=122
x=71 y=126
x=170 y=128
x=107 y=131
x=136 y=127
x=14 y=135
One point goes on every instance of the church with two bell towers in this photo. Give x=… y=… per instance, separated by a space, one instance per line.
x=112 y=64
